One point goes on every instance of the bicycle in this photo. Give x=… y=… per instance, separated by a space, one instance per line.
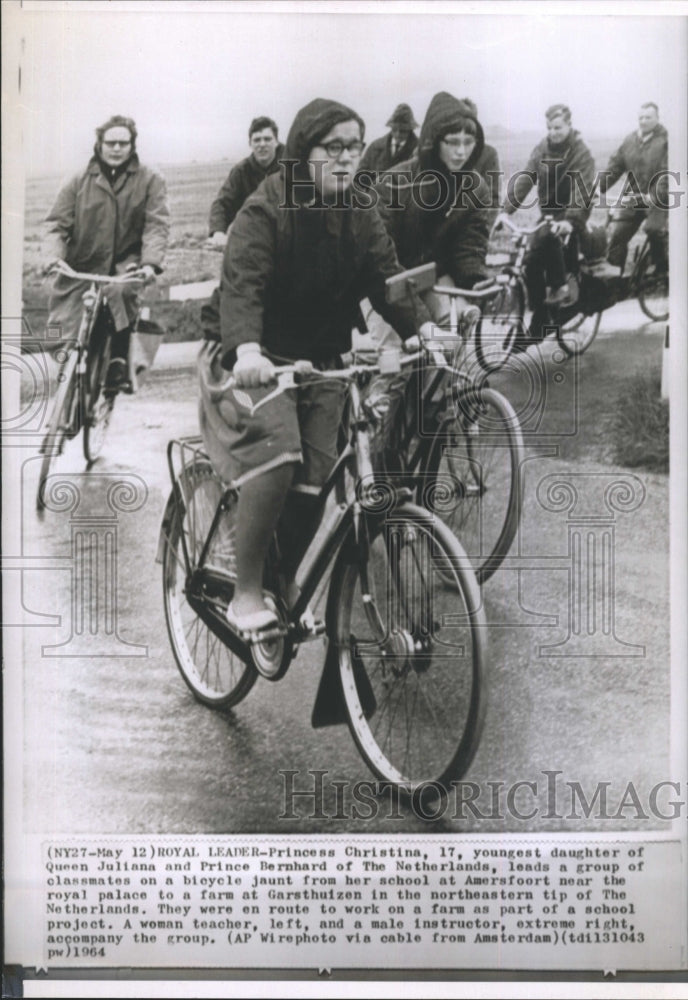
x=575 y=325
x=458 y=444
x=406 y=651
x=645 y=281
x=82 y=399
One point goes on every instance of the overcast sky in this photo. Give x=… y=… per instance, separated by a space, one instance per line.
x=194 y=79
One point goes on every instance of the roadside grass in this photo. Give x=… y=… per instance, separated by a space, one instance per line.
x=640 y=424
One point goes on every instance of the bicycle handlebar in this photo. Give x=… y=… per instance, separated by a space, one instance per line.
x=128 y=278
x=284 y=375
x=519 y=230
x=467 y=293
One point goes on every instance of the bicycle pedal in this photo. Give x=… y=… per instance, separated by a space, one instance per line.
x=256 y=637
x=307 y=631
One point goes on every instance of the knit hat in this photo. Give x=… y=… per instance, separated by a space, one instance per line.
x=403 y=116
x=313 y=122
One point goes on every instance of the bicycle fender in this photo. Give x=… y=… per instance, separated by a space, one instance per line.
x=175 y=501
x=329 y=708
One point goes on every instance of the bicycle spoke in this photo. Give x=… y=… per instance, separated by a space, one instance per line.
x=215 y=674
x=423 y=689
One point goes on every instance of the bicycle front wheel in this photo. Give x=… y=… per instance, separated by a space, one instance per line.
x=473 y=476
x=98 y=401
x=60 y=425
x=576 y=334
x=500 y=324
x=411 y=651
x=653 y=289
x=215 y=674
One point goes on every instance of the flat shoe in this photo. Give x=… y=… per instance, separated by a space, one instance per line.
x=255 y=621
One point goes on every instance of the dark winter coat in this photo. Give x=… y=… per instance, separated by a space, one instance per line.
x=378 y=156
x=293 y=278
x=553 y=168
x=487 y=165
x=644 y=160
x=242 y=181
x=455 y=233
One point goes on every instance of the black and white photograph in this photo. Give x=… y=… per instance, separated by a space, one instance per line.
x=344 y=489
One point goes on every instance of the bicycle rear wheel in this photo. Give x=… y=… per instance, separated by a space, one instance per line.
x=98 y=402
x=60 y=425
x=411 y=651
x=473 y=477
x=500 y=324
x=576 y=334
x=215 y=673
x=653 y=289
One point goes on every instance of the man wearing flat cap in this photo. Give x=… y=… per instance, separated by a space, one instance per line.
x=398 y=145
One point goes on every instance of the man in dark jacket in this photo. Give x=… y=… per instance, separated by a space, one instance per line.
x=295 y=268
x=245 y=177
x=242 y=181
x=563 y=169
x=643 y=156
x=397 y=146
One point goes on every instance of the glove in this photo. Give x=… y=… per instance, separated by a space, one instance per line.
x=563 y=228
x=412 y=345
x=252 y=368
x=217 y=240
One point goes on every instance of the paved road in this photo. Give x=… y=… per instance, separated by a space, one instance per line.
x=116 y=743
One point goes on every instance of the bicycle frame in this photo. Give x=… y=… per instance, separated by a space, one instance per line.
x=354 y=457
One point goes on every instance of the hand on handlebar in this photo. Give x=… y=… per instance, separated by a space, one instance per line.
x=53 y=266
x=145 y=271
x=252 y=369
x=562 y=228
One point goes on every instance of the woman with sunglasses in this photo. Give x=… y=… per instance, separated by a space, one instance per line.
x=111 y=218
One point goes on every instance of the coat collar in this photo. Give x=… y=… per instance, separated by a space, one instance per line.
x=132 y=166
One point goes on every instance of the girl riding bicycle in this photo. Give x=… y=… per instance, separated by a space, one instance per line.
x=111 y=218
x=299 y=259
x=436 y=206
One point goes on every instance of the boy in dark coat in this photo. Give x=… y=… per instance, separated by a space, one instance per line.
x=563 y=169
x=245 y=177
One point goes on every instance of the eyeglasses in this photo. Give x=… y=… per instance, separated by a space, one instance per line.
x=116 y=142
x=460 y=143
x=336 y=147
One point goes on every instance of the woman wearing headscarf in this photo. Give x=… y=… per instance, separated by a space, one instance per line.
x=299 y=259
x=112 y=217
x=436 y=206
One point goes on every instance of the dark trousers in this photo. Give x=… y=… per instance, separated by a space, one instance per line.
x=624 y=226
x=547 y=263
